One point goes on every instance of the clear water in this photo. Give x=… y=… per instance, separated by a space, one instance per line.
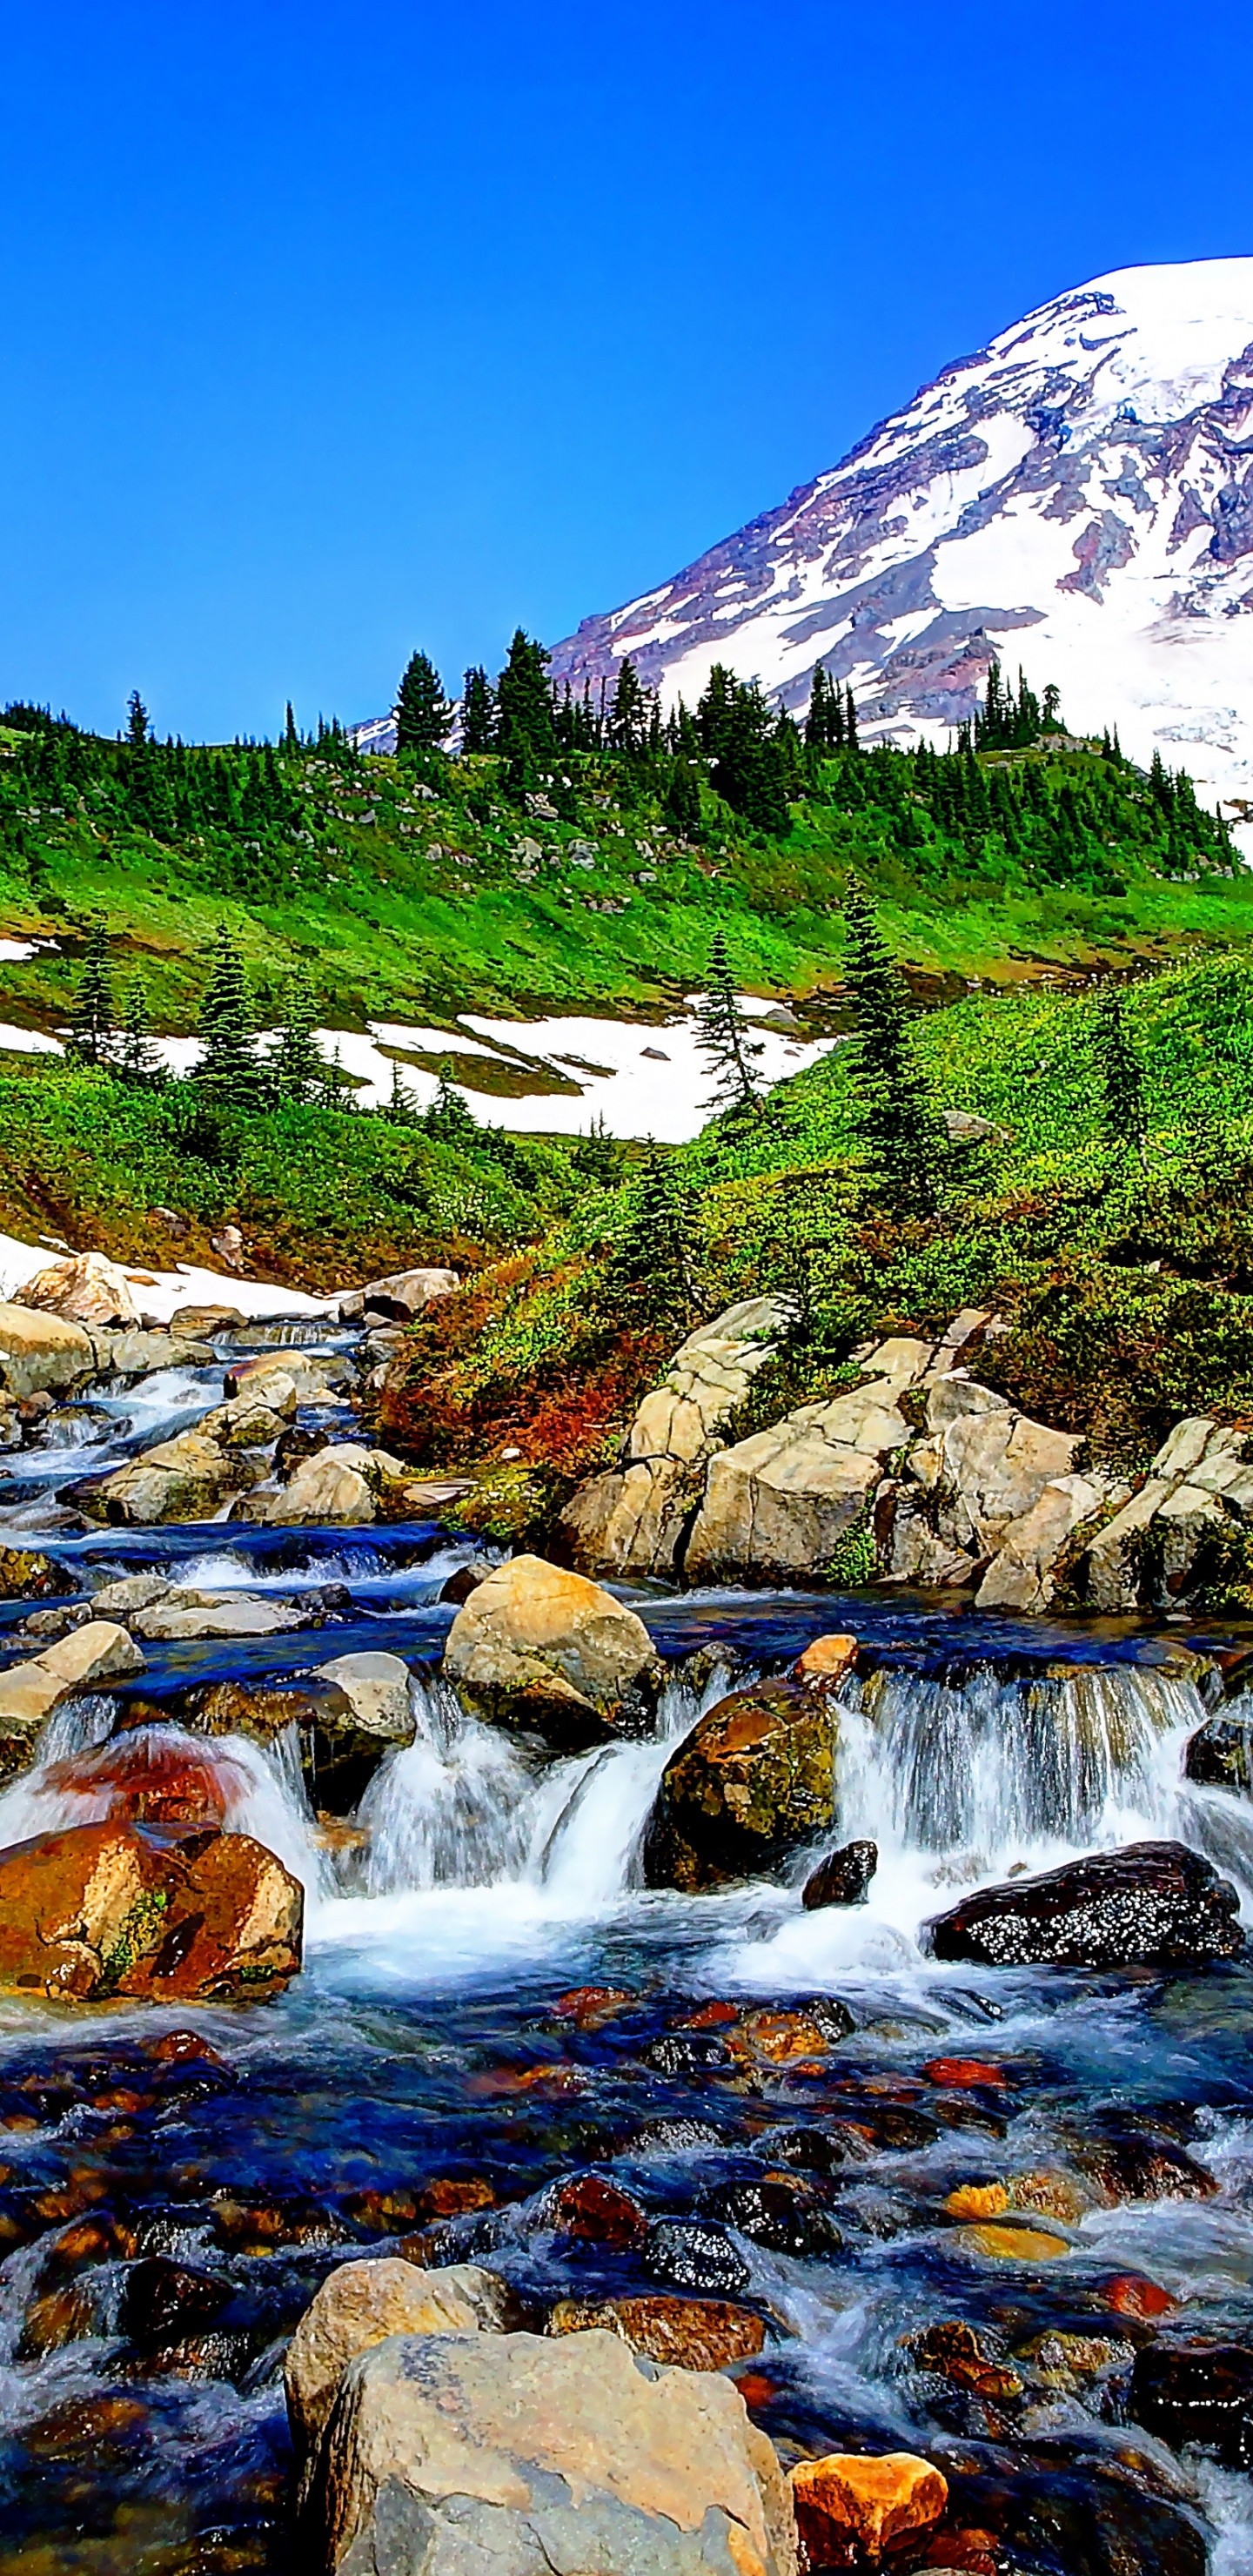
x=485 y=1879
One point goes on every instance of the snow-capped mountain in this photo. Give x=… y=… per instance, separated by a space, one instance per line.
x=1077 y=498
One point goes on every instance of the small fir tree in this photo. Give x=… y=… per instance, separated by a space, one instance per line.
x=91 y=1029
x=1122 y=1106
x=227 y=1066
x=724 y=1037
x=450 y=1116
x=651 y=1280
x=138 y=1059
x=297 y=1064
x=136 y=720
x=682 y=804
x=597 y=1156
x=478 y=712
x=423 y=714
x=897 y=1117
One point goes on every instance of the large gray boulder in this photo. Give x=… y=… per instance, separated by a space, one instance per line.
x=538 y=1648
x=359 y=2305
x=524 y=2454
x=185 y=1479
x=988 y=1496
x=86 y=1288
x=1198 y=1492
x=777 y=1505
x=632 y=1521
x=41 y=1352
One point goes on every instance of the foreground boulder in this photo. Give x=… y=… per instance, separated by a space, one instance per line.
x=185 y=1479
x=535 y=1647
x=42 y=1353
x=752 y=1783
x=358 y=2305
x=398 y=1298
x=864 y=2501
x=633 y=1520
x=341 y=1483
x=1148 y=1905
x=524 y=2453
x=86 y=1289
x=102 y=1910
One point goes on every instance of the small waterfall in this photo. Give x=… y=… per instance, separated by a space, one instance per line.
x=993 y=1770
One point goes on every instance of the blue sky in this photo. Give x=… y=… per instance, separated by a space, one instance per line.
x=327 y=332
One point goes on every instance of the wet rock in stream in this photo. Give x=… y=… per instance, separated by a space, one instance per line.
x=1150 y=1904
x=103 y=1910
x=752 y=1783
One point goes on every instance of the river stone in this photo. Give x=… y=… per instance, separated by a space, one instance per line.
x=752 y=1783
x=39 y=1352
x=359 y=2305
x=314 y=1376
x=1220 y=1755
x=538 y=1648
x=872 y=2501
x=28 y=1575
x=237 y=1614
x=843 y=1878
x=694 y=2334
x=633 y=1522
x=376 y=1688
x=1198 y=2393
x=251 y=1421
x=185 y=1479
x=1149 y=1904
x=335 y=1485
x=527 y=2454
x=97 y=1652
x=85 y=1289
x=200 y=1323
x=137 y=1354
x=101 y=1910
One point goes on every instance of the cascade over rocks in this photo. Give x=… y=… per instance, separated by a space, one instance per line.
x=530 y=2453
x=751 y=1784
x=537 y=1648
x=1148 y=1905
x=102 y=1910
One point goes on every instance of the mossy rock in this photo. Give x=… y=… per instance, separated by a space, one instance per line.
x=752 y=1784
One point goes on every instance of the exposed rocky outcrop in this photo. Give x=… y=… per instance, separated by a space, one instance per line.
x=634 y=1520
x=535 y=1647
x=101 y=1910
x=399 y=1298
x=1148 y=1905
x=1173 y=1532
x=532 y=2453
x=752 y=1783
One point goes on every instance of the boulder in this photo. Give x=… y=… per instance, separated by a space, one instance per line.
x=537 y=1648
x=857 y=2500
x=1022 y=1573
x=634 y=1522
x=1150 y=1905
x=1198 y=2393
x=825 y=1662
x=314 y=1377
x=1156 y=1547
x=358 y=2306
x=843 y=1878
x=40 y=1351
x=97 y=1653
x=694 y=2334
x=752 y=1783
x=203 y=1614
x=202 y=1323
x=529 y=2453
x=333 y=1486
x=1220 y=1755
x=102 y=1910
x=262 y=1711
x=129 y=1593
x=246 y=1422
x=777 y=1505
x=185 y=1479
x=137 y=1354
x=375 y=1687
x=27 y=1575
x=85 y=1289
x=398 y=1298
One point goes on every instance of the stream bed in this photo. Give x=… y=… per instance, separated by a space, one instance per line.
x=786 y=2103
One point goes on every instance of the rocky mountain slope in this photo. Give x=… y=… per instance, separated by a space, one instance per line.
x=1077 y=498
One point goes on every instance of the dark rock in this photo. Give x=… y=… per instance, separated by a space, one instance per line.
x=681 y=2052
x=460 y=1585
x=694 y=2256
x=1150 y=1904
x=593 y=2208
x=843 y=1878
x=672 y=2138
x=815 y=2150
x=752 y=1784
x=1134 y=2167
x=1199 y=2393
x=686 y=2334
x=164 y=2302
x=1220 y=1755
x=778 y=2211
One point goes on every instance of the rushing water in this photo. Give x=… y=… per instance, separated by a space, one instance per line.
x=427 y=2045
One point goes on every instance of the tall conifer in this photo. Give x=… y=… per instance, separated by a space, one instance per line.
x=227 y=1066
x=91 y=1029
x=137 y=1057
x=896 y=1115
x=296 y=1063
x=724 y=1036
x=423 y=714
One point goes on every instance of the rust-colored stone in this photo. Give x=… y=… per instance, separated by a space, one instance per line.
x=1130 y=2295
x=825 y=1662
x=691 y=2334
x=150 y=1779
x=871 y=2500
x=590 y=2006
x=965 y=2074
x=101 y=1909
x=596 y=2210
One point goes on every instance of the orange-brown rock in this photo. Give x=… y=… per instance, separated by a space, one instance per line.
x=977 y=2200
x=446 y=2196
x=802 y=2036
x=694 y=2334
x=966 y=2074
x=176 y=2047
x=152 y=1778
x=871 y=2500
x=59 y=2317
x=1130 y=2295
x=825 y=1662
x=752 y=1783
x=590 y=2006
x=100 y=1910
x=595 y=2210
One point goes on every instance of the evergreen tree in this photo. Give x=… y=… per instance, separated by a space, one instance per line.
x=850 y=721
x=597 y=1156
x=682 y=804
x=651 y=1280
x=291 y=737
x=296 y=1063
x=478 y=712
x=896 y=1115
x=137 y=720
x=137 y=1058
x=525 y=732
x=227 y=1066
x=724 y=1037
x=423 y=714
x=450 y=1116
x=1123 y=1111
x=402 y=1108
x=629 y=712
x=91 y=1028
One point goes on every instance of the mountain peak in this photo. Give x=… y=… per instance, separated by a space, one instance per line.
x=1077 y=497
